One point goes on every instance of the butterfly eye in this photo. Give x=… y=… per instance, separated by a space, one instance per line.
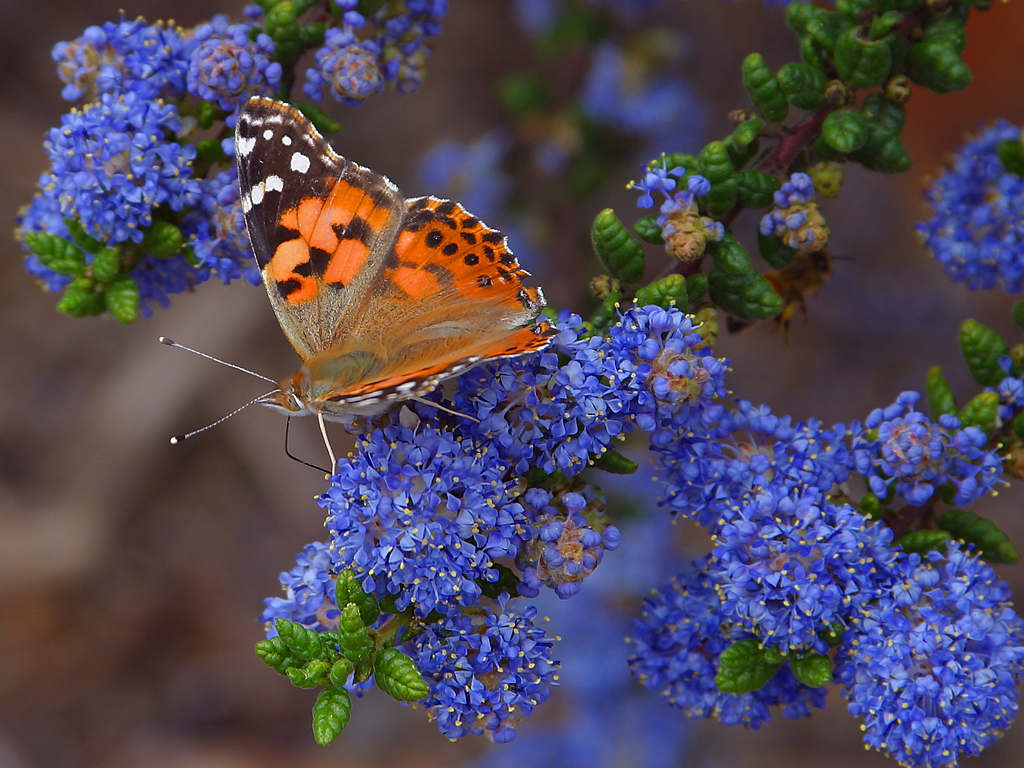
x=296 y=402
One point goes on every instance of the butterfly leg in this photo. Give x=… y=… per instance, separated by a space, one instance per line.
x=330 y=451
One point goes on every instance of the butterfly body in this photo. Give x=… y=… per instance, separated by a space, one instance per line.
x=381 y=297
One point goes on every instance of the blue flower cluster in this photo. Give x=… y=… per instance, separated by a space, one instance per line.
x=795 y=218
x=933 y=669
x=685 y=231
x=977 y=228
x=390 y=47
x=900 y=444
x=676 y=643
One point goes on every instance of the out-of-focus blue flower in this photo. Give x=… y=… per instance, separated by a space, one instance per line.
x=468 y=172
x=932 y=667
x=346 y=68
x=485 y=674
x=423 y=516
x=977 y=229
x=227 y=66
x=902 y=444
x=789 y=566
x=567 y=546
x=114 y=161
x=149 y=60
x=216 y=230
x=676 y=643
x=795 y=218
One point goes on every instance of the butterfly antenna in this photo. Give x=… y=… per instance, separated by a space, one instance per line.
x=180 y=438
x=173 y=343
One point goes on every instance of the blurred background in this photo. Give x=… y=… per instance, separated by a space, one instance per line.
x=132 y=574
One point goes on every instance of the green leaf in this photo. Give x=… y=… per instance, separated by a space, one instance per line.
x=803 y=84
x=81 y=299
x=742 y=668
x=302 y=642
x=982 y=347
x=83 y=240
x=616 y=463
x=1018 y=314
x=923 y=541
x=56 y=253
x=812 y=53
x=871 y=506
x=715 y=163
x=163 y=239
x=940 y=395
x=938 y=67
x=845 y=130
x=1011 y=155
x=696 y=287
x=981 y=411
x=882 y=25
x=607 y=311
x=347 y=589
x=1018 y=424
x=106 y=264
x=814 y=670
x=826 y=29
x=995 y=545
x=353 y=638
x=282 y=25
x=206 y=113
x=755 y=189
x=764 y=89
x=323 y=122
x=620 y=253
x=122 y=299
x=396 y=675
x=948 y=31
x=721 y=197
x=774 y=251
x=799 y=15
x=886 y=113
x=312 y=675
x=522 y=93
x=210 y=151
x=312 y=35
x=331 y=714
x=736 y=287
x=668 y=291
x=275 y=654
x=647 y=229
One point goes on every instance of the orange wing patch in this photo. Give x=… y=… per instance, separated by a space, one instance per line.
x=326 y=240
x=442 y=245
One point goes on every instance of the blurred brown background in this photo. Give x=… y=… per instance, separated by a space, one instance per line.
x=132 y=573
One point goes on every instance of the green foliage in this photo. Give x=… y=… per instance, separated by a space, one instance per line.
x=353 y=639
x=940 y=395
x=331 y=714
x=995 y=546
x=845 y=130
x=55 y=252
x=763 y=88
x=616 y=463
x=735 y=286
x=620 y=253
x=1011 y=155
x=925 y=540
x=302 y=642
x=982 y=347
x=981 y=411
x=397 y=676
x=122 y=299
x=774 y=251
x=803 y=84
x=668 y=291
x=323 y=122
x=744 y=667
x=755 y=189
x=348 y=590
x=936 y=64
x=862 y=63
x=163 y=239
x=647 y=229
x=814 y=669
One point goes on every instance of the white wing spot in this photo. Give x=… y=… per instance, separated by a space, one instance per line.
x=300 y=162
x=268 y=135
x=407 y=385
x=274 y=184
x=286 y=140
x=244 y=146
x=256 y=193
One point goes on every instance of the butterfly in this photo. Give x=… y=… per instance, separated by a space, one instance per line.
x=382 y=297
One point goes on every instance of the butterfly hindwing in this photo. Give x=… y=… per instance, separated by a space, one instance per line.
x=320 y=225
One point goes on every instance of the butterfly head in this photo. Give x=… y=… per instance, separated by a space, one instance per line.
x=286 y=400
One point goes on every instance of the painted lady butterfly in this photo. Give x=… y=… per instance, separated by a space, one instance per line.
x=382 y=297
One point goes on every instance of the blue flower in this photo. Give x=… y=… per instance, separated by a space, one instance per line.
x=423 y=516
x=902 y=444
x=567 y=546
x=309 y=592
x=346 y=68
x=676 y=643
x=485 y=673
x=115 y=160
x=795 y=218
x=469 y=172
x=788 y=565
x=977 y=229
x=932 y=667
x=149 y=60
x=216 y=230
x=401 y=33
x=43 y=215
x=227 y=66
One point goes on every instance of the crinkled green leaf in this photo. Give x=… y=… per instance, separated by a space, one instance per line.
x=845 y=130
x=803 y=84
x=755 y=189
x=774 y=251
x=982 y=347
x=981 y=411
x=81 y=299
x=620 y=253
x=122 y=299
x=396 y=675
x=668 y=291
x=886 y=113
x=742 y=668
x=940 y=395
x=163 y=239
x=275 y=654
x=647 y=229
x=311 y=675
x=763 y=88
x=331 y=714
x=616 y=463
x=80 y=238
x=923 y=541
x=353 y=638
x=55 y=252
x=340 y=672
x=106 y=264
x=937 y=65
x=302 y=642
x=994 y=544
x=814 y=670
x=347 y=589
